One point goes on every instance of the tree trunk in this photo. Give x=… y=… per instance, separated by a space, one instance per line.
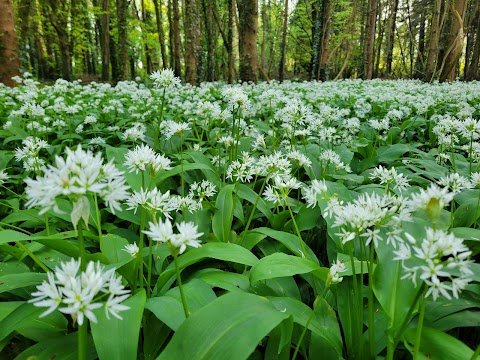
x=122 y=7
x=161 y=34
x=208 y=19
x=473 y=73
x=9 y=51
x=390 y=36
x=419 y=62
x=248 y=25
x=176 y=39
x=381 y=31
x=192 y=41
x=370 y=39
x=283 y=46
x=231 y=9
x=324 y=49
x=105 y=40
x=433 y=44
x=455 y=45
x=145 y=28
x=317 y=40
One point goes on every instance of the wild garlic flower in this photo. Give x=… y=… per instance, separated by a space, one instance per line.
x=3 y=177
x=439 y=259
x=78 y=293
x=202 y=190
x=80 y=174
x=283 y=185
x=132 y=249
x=242 y=170
x=30 y=153
x=164 y=78
x=317 y=187
x=389 y=177
x=143 y=157
x=153 y=201
x=455 y=182
x=336 y=268
x=187 y=235
x=432 y=200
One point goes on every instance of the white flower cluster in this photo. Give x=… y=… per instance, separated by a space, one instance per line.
x=440 y=259
x=164 y=78
x=187 y=234
x=80 y=174
x=390 y=177
x=143 y=157
x=78 y=293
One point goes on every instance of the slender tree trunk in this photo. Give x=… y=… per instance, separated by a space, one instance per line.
x=248 y=25
x=41 y=49
x=231 y=10
x=208 y=20
x=161 y=34
x=283 y=47
x=317 y=40
x=381 y=31
x=9 y=51
x=145 y=27
x=59 y=12
x=433 y=44
x=370 y=39
x=419 y=62
x=471 y=26
x=473 y=68
x=390 y=37
x=177 y=68
x=105 y=39
x=454 y=50
x=264 y=37
x=324 y=49
x=192 y=41
x=122 y=7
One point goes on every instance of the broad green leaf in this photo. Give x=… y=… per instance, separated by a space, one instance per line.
x=390 y=153
x=467 y=318
x=115 y=338
x=217 y=278
x=466 y=214
x=220 y=251
x=169 y=308
x=437 y=345
x=222 y=219
x=290 y=241
x=279 y=265
x=17 y=281
x=467 y=233
x=230 y=327
x=244 y=192
x=178 y=169
x=63 y=347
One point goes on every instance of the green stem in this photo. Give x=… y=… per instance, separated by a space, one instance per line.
x=358 y=308
x=371 y=309
x=296 y=228
x=476 y=353
x=150 y=264
x=470 y=155
x=99 y=223
x=139 y=264
x=32 y=256
x=82 y=340
x=310 y=318
x=250 y=218
x=81 y=241
x=180 y=287
x=157 y=131
x=418 y=336
x=181 y=165
x=47 y=226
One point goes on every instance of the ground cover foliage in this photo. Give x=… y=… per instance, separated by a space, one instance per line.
x=271 y=221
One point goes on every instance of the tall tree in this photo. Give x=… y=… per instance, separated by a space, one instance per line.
x=160 y=32
x=175 y=25
x=9 y=51
x=247 y=36
x=324 y=48
x=105 y=39
x=433 y=43
x=192 y=41
x=390 y=36
x=472 y=71
x=283 y=46
x=370 y=39
x=122 y=7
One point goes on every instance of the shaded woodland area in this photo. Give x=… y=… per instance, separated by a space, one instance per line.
x=248 y=40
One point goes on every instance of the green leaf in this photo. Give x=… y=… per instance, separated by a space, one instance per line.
x=230 y=327
x=437 y=345
x=18 y=281
x=279 y=265
x=223 y=279
x=169 y=308
x=220 y=251
x=290 y=241
x=115 y=338
x=64 y=347
x=244 y=192
x=222 y=219
x=466 y=214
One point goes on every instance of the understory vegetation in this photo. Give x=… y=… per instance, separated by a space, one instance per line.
x=294 y=220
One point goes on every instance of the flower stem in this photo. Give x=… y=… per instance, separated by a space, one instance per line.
x=476 y=353
x=296 y=228
x=99 y=224
x=47 y=226
x=157 y=130
x=180 y=287
x=418 y=337
x=250 y=218
x=32 y=256
x=371 y=309
x=81 y=241
x=82 y=340
x=139 y=265
x=150 y=263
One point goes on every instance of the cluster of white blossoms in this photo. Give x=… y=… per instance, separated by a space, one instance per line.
x=164 y=78
x=281 y=188
x=390 y=177
x=80 y=174
x=143 y=158
x=370 y=216
x=336 y=268
x=79 y=293
x=30 y=153
x=439 y=259
x=187 y=235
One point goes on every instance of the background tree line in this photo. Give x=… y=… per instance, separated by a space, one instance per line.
x=207 y=40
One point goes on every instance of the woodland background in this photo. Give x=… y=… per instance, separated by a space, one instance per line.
x=248 y=40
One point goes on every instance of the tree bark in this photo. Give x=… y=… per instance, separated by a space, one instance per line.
x=9 y=51
x=248 y=26
x=324 y=49
x=370 y=39
x=283 y=46
x=433 y=43
x=122 y=7
x=455 y=47
x=419 y=62
x=390 y=37
x=208 y=19
x=192 y=41
x=161 y=34
x=473 y=68
x=176 y=39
